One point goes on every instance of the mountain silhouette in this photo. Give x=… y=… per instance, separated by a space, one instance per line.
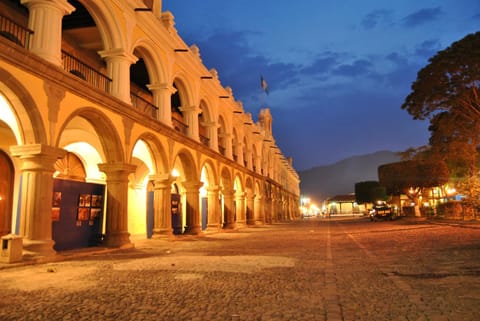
x=322 y=182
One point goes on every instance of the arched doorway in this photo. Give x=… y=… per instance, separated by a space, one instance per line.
x=6 y=193
x=93 y=138
x=77 y=206
x=187 y=182
x=177 y=212
x=140 y=192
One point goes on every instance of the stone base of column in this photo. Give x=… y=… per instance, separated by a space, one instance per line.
x=194 y=230
x=39 y=247
x=229 y=226
x=212 y=228
x=120 y=239
x=240 y=224
x=162 y=233
x=251 y=222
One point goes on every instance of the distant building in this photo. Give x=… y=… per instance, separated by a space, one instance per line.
x=343 y=204
x=111 y=126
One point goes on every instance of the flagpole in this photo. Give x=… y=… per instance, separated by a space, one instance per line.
x=264 y=90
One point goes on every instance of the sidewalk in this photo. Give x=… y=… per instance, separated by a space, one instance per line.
x=137 y=242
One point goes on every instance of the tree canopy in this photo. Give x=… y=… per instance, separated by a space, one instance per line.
x=369 y=192
x=455 y=141
x=449 y=82
x=399 y=177
x=446 y=92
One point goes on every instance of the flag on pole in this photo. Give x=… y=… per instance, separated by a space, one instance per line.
x=263 y=84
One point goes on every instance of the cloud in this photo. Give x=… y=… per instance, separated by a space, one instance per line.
x=375 y=18
x=323 y=64
x=428 y=48
x=357 y=68
x=422 y=16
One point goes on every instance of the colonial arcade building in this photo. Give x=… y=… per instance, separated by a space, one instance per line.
x=111 y=126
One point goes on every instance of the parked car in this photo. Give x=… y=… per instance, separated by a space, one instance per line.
x=382 y=211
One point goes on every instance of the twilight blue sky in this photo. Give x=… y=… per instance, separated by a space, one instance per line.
x=337 y=71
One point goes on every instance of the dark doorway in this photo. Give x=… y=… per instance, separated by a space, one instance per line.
x=6 y=193
x=77 y=214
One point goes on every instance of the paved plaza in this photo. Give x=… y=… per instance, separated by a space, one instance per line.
x=315 y=269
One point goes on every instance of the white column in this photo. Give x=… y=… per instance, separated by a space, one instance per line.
x=212 y=135
x=214 y=210
x=162 y=205
x=36 y=195
x=240 y=153
x=162 y=94
x=228 y=145
x=192 y=191
x=240 y=207
x=117 y=203
x=248 y=157
x=228 y=201
x=118 y=66
x=250 y=210
x=190 y=115
x=45 y=19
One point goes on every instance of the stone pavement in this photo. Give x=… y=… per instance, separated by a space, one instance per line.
x=308 y=270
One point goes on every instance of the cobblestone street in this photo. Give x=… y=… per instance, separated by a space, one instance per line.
x=309 y=270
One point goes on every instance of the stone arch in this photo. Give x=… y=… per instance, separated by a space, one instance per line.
x=153 y=63
x=148 y=156
x=179 y=100
x=189 y=181
x=265 y=160
x=238 y=183
x=205 y=123
x=157 y=152
x=249 y=185
x=259 y=202
x=103 y=13
x=227 y=196
x=184 y=91
x=246 y=152
x=211 y=171
x=240 y=204
x=207 y=110
x=235 y=145
x=250 y=201
x=28 y=117
x=255 y=159
x=189 y=169
x=226 y=178
x=222 y=135
x=209 y=195
x=105 y=131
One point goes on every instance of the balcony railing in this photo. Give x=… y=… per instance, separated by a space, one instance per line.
x=222 y=150
x=80 y=69
x=204 y=140
x=14 y=32
x=179 y=126
x=144 y=106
